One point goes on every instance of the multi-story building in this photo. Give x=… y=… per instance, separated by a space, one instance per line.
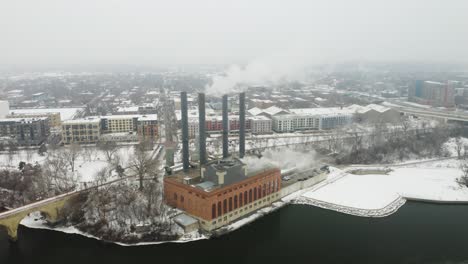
x=260 y=125
x=81 y=131
x=119 y=123
x=215 y=124
x=223 y=192
x=147 y=127
x=312 y=119
x=116 y=128
x=25 y=131
x=433 y=93
x=54 y=117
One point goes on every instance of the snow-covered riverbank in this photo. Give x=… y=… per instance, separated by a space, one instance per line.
x=378 y=195
x=34 y=220
x=372 y=195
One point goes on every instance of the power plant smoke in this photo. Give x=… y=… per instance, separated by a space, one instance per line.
x=283 y=158
x=275 y=70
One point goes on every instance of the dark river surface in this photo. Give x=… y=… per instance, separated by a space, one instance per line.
x=417 y=233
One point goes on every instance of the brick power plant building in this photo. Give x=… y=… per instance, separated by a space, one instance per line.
x=220 y=191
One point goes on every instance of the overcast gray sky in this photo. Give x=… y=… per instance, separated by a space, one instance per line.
x=205 y=31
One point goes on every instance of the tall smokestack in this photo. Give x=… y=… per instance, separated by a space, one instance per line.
x=201 y=127
x=241 y=125
x=225 y=127
x=185 y=139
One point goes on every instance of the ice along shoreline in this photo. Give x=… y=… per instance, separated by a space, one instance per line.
x=393 y=191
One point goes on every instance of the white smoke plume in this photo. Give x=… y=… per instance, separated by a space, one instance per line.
x=284 y=159
x=266 y=71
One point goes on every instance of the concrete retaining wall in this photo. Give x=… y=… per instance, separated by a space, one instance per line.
x=300 y=185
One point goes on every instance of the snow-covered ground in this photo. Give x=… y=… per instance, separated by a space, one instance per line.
x=431 y=181
x=89 y=162
x=35 y=220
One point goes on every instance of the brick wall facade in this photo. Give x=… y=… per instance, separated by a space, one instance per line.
x=222 y=201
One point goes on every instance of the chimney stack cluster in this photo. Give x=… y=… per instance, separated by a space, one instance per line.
x=202 y=128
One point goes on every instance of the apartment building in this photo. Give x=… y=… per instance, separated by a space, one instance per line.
x=81 y=131
x=119 y=123
x=260 y=125
x=312 y=119
x=54 y=117
x=147 y=127
x=25 y=131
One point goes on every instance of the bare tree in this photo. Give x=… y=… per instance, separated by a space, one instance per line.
x=29 y=151
x=463 y=180
x=12 y=149
x=109 y=148
x=71 y=154
x=153 y=194
x=459 y=147
x=142 y=163
x=42 y=149
x=56 y=176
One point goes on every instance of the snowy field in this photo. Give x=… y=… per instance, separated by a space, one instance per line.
x=89 y=162
x=431 y=180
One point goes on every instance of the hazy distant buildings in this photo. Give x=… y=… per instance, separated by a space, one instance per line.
x=433 y=93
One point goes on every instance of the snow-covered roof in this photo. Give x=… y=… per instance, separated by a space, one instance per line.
x=320 y=111
x=88 y=120
x=185 y=220
x=128 y=109
x=274 y=110
x=364 y=109
x=148 y=117
x=260 y=117
x=65 y=113
x=22 y=120
x=255 y=111
x=432 y=82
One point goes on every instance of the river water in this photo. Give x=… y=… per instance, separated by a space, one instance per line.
x=417 y=233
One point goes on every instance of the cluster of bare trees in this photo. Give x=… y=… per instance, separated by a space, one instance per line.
x=462 y=154
x=33 y=181
x=21 y=186
x=386 y=144
x=115 y=210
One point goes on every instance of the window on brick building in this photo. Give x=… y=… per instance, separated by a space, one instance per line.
x=230 y=204
x=245 y=197
x=259 y=191
x=235 y=202
x=255 y=193
x=224 y=206
x=219 y=209
x=240 y=199
x=250 y=195
x=213 y=211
